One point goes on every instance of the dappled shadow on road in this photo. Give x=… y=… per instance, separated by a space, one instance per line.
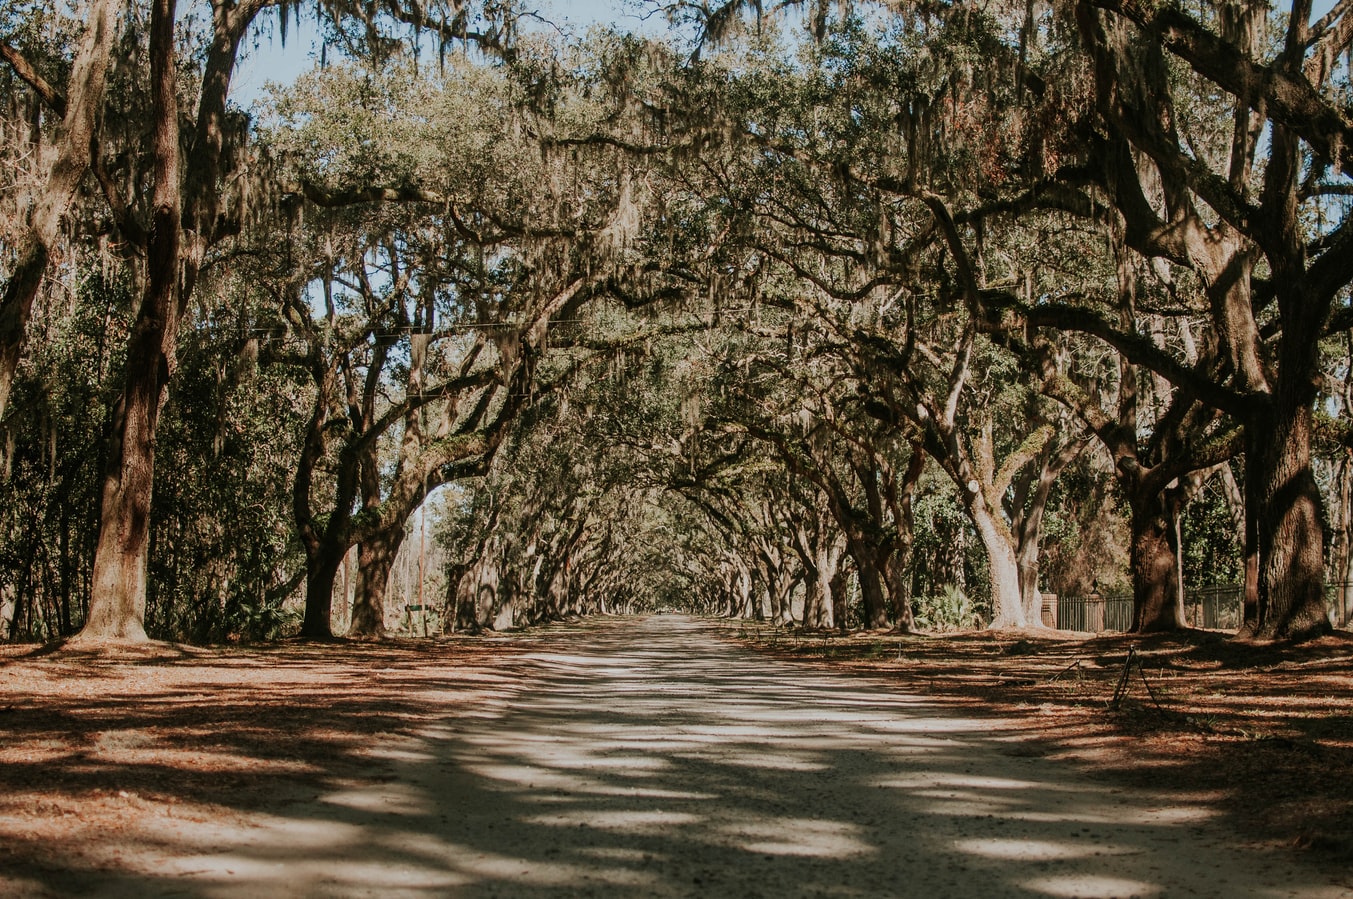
x=1265 y=728
x=615 y=759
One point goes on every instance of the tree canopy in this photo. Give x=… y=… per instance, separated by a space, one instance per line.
x=879 y=315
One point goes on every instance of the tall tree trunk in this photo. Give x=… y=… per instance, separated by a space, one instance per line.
x=376 y=554
x=1289 y=522
x=1007 y=606
x=1155 y=564
x=118 y=599
x=83 y=104
x=873 y=603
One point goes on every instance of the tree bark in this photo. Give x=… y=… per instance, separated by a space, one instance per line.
x=1155 y=565
x=376 y=554
x=873 y=603
x=819 y=604
x=1007 y=606
x=837 y=587
x=1030 y=501
x=1341 y=549
x=183 y=224
x=1289 y=522
x=118 y=599
x=320 y=575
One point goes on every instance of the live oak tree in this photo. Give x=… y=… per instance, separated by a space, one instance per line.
x=752 y=304
x=1160 y=438
x=192 y=196
x=1234 y=210
x=64 y=114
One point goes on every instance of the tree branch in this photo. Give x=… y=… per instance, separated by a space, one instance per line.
x=1288 y=100
x=1139 y=350
x=30 y=76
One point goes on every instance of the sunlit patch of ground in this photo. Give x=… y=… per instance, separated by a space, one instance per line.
x=1265 y=730
x=244 y=769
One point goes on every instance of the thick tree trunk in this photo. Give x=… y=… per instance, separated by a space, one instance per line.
x=873 y=603
x=812 y=599
x=117 y=606
x=375 y=558
x=1155 y=566
x=817 y=602
x=898 y=573
x=1007 y=606
x=1289 y=522
x=779 y=583
x=320 y=577
x=839 y=591
x=118 y=599
x=461 y=603
x=742 y=592
x=1027 y=565
x=775 y=606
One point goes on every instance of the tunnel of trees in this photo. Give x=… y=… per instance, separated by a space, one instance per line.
x=837 y=315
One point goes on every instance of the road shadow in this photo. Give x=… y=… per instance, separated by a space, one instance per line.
x=641 y=757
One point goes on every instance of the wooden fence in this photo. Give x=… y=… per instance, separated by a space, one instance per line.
x=1217 y=607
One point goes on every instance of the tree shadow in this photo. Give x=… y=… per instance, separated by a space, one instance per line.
x=614 y=759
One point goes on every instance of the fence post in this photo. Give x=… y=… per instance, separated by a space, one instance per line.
x=1050 y=610
x=1343 y=604
x=1094 y=613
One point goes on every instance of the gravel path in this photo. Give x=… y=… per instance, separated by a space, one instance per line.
x=649 y=758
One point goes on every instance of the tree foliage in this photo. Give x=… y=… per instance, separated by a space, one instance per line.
x=895 y=322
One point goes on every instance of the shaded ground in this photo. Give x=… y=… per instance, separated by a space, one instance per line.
x=1268 y=730
x=647 y=757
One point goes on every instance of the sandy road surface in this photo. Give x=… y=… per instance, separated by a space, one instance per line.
x=649 y=758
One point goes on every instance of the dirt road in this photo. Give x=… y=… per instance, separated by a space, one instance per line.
x=649 y=758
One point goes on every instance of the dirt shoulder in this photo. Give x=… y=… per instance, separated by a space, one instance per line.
x=1265 y=732
x=116 y=760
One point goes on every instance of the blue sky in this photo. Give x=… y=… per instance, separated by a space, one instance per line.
x=273 y=62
